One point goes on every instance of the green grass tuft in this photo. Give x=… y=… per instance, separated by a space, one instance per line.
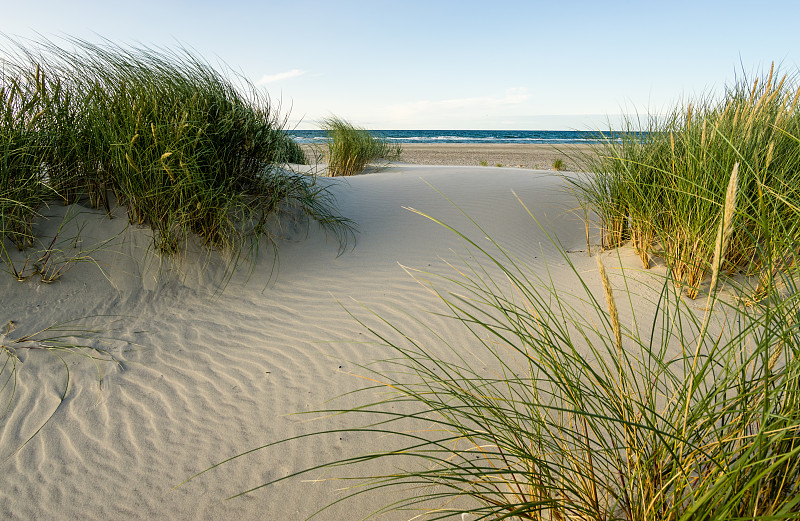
x=660 y=184
x=351 y=149
x=186 y=149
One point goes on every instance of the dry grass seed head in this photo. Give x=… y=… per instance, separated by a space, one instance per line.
x=725 y=228
x=612 y=306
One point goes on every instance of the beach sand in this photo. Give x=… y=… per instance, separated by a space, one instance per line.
x=532 y=156
x=515 y=155
x=202 y=374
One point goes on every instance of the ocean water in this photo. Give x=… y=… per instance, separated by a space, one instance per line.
x=467 y=136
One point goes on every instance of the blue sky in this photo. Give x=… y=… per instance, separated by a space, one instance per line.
x=433 y=64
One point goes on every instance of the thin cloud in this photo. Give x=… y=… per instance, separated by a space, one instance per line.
x=514 y=96
x=272 y=78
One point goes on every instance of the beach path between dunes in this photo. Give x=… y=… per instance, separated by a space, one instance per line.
x=203 y=375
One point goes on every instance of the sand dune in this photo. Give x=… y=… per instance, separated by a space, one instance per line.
x=203 y=375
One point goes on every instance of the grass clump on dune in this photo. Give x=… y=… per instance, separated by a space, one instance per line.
x=351 y=149
x=185 y=149
x=22 y=188
x=659 y=184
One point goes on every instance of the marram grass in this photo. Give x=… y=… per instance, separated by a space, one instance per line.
x=660 y=184
x=351 y=149
x=22 y=187
x=187 y=150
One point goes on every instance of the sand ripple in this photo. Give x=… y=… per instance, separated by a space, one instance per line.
x=203 y=375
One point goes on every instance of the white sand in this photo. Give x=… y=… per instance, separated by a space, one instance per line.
x=208 y=376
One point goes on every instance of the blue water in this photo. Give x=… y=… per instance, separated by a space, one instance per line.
x=466 y=136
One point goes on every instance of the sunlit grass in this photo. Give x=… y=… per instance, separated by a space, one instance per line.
x=351 y=149
x=186 y=149
x=659 y=184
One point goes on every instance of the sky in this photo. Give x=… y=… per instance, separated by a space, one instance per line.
x=408 y=64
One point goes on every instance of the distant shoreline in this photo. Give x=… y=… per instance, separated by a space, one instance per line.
x=533 y=156
x=470 y=137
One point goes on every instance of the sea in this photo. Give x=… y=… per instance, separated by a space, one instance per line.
x=553 y=137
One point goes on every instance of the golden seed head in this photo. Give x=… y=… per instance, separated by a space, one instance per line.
x=769 y=154
x=612 y=306
x=794 y=101
x=725 y=228
x=753 y=91
x=730 y=201
x=703 y=136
